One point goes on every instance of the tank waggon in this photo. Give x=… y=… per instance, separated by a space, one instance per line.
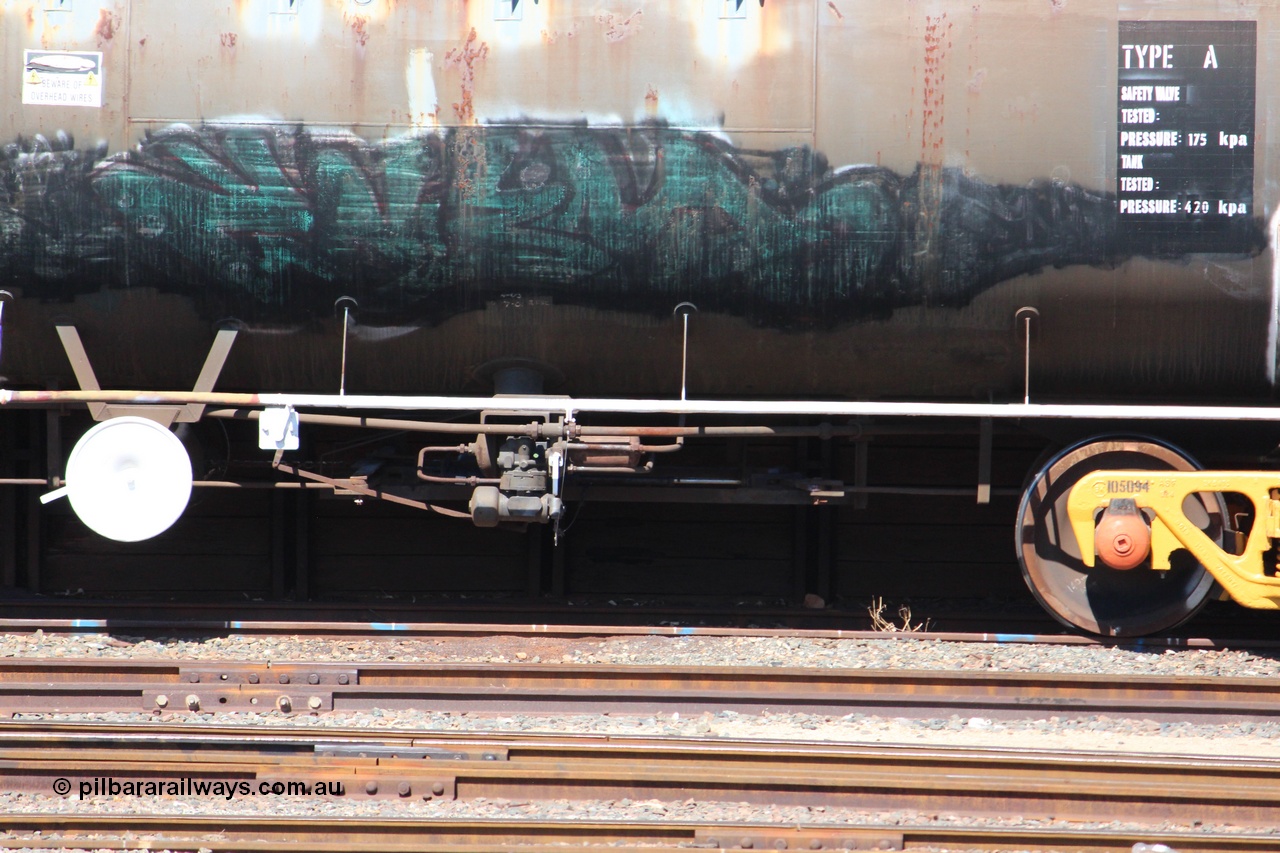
x=647 y=227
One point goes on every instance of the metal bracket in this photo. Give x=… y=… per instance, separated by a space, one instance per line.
x=434 y=753
x=798 y=838
x=373 y=783
x=984 y=460
x=207 y=698
x=165 y=415
x=283 y=674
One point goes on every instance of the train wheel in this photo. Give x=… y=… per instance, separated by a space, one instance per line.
x=1103 y=600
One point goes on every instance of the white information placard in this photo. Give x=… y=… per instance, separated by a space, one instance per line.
x=62 y=78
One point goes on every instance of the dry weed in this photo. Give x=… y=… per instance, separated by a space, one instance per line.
x=879 y=622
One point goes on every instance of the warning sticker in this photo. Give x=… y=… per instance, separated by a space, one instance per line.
x=62 y=78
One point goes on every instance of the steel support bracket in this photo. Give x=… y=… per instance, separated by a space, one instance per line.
x=165 y=415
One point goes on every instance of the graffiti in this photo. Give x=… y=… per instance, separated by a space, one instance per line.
x=269 y=222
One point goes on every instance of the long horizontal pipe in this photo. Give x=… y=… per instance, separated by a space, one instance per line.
x=572 y=407
x=554 y=431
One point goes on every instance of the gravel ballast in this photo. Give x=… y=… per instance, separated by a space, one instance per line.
x=1062 y=731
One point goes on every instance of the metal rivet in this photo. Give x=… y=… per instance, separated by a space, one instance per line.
x=224 y=676
x=313 y=679
x=403 y=789
x=815 y=844
x=343 y=679
x=253 y=678
x=371 y=787
x=194 y=678
x=746 y=843
x=437 y=788
x=162 y=701
x=193 y=702
x=284 y=679
x=779 y=844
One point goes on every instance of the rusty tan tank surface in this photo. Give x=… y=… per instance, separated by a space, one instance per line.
x=858 y=196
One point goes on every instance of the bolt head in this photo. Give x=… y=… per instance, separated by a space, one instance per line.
x=404 y=789
x=314 y=703
x=437 y=788
x=162 y=701
x=193 y=702
x=371 y=787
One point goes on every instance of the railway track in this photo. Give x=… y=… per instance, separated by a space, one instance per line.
x=98 y=685
x=233 y=834
x=354 y=766
x=620 y=613
x=616 y=616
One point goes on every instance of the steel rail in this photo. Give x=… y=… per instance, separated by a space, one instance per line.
x=189 y=625
x=98 y=685
x=274 y=834
x=1039 y=785
x=450 y=619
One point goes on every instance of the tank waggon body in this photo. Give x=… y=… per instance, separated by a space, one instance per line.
x=982 y=201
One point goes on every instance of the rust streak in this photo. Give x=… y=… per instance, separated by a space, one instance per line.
x=835 y=10
x=106 y=29
x=464 y=58
x=617 y=30
x=360 y=29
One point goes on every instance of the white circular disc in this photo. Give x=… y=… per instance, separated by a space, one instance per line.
x=129 y=479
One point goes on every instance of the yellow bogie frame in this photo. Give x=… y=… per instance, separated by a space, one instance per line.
x=1162 y=494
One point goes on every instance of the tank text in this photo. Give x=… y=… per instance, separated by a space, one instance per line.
x=1127 y=487
x=1144 y=115
x=1147 y=55
x=1149 y=139
x=1149 y=205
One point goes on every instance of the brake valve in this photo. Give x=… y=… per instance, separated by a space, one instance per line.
x=523 y=493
